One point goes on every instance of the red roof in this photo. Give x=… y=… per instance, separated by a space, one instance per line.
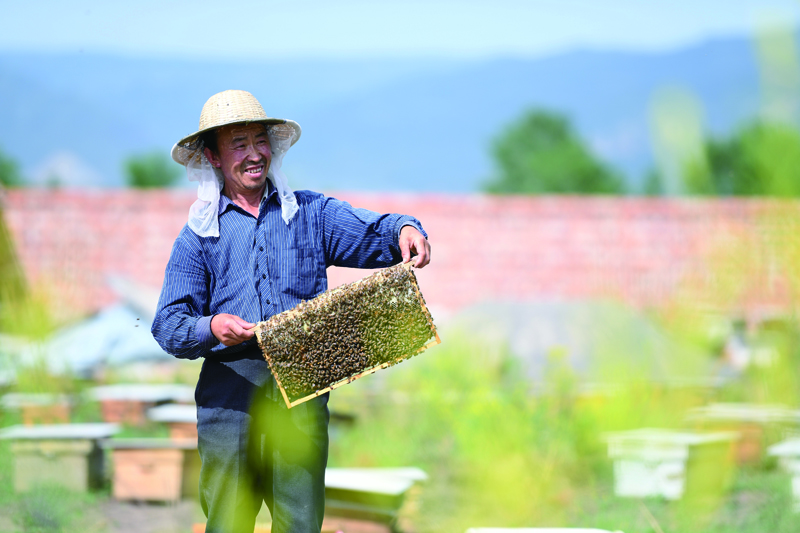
x=640 y=250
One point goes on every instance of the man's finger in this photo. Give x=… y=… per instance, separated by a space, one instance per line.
x=242 y=322
x=420 y=249
x=423 y=253
x=238 y=332
x=404 y=250
x=235 y=330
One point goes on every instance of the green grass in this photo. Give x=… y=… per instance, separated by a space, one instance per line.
x=52 y=509
x=499 y=452
x=500 y=455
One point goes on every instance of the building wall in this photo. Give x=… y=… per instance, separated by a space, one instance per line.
x=733 y=253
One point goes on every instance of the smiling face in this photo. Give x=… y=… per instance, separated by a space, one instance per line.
x=243 y=154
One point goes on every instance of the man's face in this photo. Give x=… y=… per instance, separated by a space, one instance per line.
x=243 y=155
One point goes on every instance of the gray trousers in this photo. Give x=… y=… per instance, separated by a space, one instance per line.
x=254 y=449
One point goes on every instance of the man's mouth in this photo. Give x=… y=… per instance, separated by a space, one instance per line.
x=255 y=171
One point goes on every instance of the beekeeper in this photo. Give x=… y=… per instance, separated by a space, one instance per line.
x=253 y=248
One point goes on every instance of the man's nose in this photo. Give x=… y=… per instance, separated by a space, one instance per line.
x=252 y=153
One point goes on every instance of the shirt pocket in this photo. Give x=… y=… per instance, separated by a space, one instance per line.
x=302 y=278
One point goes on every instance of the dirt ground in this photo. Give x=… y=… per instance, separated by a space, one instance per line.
x=129 y=517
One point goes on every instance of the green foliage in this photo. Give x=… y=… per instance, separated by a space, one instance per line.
x=761 y=159
x=653 y=184
x=151 y=170
x=9 y=172
x=503 y=453
x=497 y=454
x=541 y=154
x=52 y=509
x=21 y=311
x=148 y=430
x=12 y=283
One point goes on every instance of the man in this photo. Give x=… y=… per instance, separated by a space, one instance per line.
x=253 y=248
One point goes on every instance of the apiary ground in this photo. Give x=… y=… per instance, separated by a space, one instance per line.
x=131 y=517
x=106 y=515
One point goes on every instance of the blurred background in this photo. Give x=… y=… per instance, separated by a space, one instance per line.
x=611 y=192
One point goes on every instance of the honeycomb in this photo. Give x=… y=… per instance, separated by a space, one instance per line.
x=346 y=333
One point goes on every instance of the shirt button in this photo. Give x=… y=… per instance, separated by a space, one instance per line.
x=263 y=276
x=268 y=302
x=260 y=248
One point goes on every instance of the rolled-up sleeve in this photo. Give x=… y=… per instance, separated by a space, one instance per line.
x=182 y=325
x=359 y=238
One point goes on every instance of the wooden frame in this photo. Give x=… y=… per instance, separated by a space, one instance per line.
x=291 y=313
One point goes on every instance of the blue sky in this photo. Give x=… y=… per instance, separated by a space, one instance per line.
x=348 y=28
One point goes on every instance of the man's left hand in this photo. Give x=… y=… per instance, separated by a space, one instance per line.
x=414 y=242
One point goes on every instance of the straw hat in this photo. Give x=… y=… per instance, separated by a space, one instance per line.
x=222 y=109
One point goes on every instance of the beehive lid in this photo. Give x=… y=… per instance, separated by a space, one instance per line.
x=411 y=473
x=787 y=448
x=172 y=412
x=347 y=333
x=86 y=431
x=660 y=444
x=366 y=480
x=150 y=444
x=143 y=392
x=745 y=412
x=670 y=436
x=15 y=400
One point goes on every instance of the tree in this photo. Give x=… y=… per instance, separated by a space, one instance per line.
x=151 y=170
x=9 y=172
x=540 y=153
x=761 y=159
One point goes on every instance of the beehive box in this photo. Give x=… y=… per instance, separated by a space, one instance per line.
x=669 y=463
x=788 y=454
x=128 y=402
x=181 y=419
x=759 y=425
x=39 y=408
x=347 y=333
x=154 y=469
x=68 y=455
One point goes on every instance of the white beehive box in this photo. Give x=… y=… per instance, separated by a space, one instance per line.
x=143 y=392
x=656 y=462
x=374 y=494
x=181 y=419
x=68 y=455
x=788 y=454
x=758 y=425
x=128 y=402
x=745 y=412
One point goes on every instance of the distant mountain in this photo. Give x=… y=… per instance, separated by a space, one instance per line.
x=382 y=124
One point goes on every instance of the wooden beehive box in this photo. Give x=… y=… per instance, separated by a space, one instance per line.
x=347 y=333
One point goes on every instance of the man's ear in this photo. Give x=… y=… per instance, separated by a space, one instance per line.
x=212 y=157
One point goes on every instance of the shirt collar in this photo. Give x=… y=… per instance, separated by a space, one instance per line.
x=269 y=191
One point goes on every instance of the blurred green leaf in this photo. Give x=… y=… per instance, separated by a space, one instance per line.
x=9 y=171
x=761 y=159
x=151 y=170
x=540 y=154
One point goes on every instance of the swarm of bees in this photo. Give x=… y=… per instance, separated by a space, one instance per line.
x=346 y=333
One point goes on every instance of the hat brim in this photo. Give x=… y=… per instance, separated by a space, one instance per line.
x=183 y=151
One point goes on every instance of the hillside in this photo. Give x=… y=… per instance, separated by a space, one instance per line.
x=421 y=124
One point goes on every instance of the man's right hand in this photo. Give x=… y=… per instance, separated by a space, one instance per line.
x=230 y=330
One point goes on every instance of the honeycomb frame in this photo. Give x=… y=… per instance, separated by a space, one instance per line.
x=380 y=286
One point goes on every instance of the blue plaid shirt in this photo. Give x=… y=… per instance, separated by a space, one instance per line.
x=259 y=267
